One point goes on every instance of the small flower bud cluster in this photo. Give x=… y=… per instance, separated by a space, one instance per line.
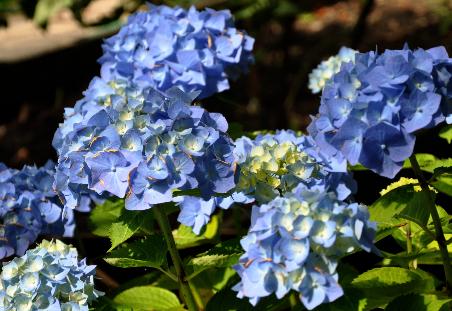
x=48 y=277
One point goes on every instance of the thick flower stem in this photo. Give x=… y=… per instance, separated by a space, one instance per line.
x=440 y=239
x=184 y=287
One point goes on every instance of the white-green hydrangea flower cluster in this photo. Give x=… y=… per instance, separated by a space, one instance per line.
x=326 y=69
x=48 y=277
x=272 y=165
x=276 y=166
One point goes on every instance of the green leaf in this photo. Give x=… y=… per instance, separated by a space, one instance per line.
x=420 y=238
x=424 y=257
x=446 y=133
x=148 y=252
x=358 y=167
x=384 y=281
x=145 y=298
x=347 y=273
x=418 y=302
x=226 y=300
x=142 y=280
x=352 y=300
x=214 y=279
x=443 y=183
x=47 y=8
x=222 y=255
x=441 y=171
x=189 y=192
x=215 y=260
x=384 y=232
x=185 y=238
x=128 y=223
x=429 y=162
x=102 y=216
x=417 y=209
x=103 y=303
x=235 y=130
x=165 y=281
x=383 y=210
x=381 y=285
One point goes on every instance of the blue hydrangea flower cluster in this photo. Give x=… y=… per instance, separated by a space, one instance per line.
x=294 y=243
x=138 y=143
x=371 y=110
x=29 y=207
x=48 y=277
x=269 y=166
x=166 y=47
x=326 y=69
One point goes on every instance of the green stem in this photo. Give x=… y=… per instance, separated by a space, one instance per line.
x=184 y=287
x=168 y=274
x=409 y=245
x=196 y=296
x=439 y=234
x=293 y=300
x=409 y=242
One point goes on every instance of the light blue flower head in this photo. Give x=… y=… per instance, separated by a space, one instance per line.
x=371 y=109
x=294 y=243
x=29 y=207
x=166 y=47
x=48 y=277
x=138 y=143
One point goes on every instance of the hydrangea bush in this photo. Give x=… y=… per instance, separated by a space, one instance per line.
x=168 y=183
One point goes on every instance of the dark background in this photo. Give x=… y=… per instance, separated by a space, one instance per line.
x=292 y=37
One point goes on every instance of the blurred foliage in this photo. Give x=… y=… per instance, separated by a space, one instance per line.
x=42 y=10
x=443 y=9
